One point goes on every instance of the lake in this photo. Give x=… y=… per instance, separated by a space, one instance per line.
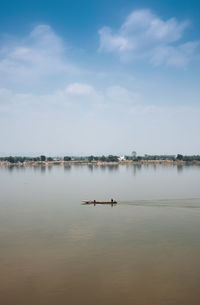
x=143 y=251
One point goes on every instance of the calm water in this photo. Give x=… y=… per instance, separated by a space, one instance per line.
x=143 y=251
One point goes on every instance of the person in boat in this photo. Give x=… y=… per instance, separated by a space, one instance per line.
x=112 y=200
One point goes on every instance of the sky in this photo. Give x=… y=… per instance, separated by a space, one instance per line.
x=99 y=77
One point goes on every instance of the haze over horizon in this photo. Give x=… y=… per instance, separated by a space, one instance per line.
x=91 y=77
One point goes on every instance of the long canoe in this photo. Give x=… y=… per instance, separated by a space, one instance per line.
x=98 y=202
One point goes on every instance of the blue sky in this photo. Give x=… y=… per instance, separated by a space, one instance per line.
x=99 y=77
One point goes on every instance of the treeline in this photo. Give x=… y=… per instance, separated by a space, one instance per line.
x=188 y=158
x=16 y=159
x=164 y=157
x=152 y=157
x=109 y=158
x=32 y=159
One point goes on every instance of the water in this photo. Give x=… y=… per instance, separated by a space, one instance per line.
x=143 y=251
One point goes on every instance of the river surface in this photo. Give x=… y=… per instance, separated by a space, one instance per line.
x=143 y=251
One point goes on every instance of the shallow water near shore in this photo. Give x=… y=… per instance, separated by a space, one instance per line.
x=143 y=251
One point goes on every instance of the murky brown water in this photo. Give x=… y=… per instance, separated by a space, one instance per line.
x=144 y=251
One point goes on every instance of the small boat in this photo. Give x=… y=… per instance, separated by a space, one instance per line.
x=98 y=202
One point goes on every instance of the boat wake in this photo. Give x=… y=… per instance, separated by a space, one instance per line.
x=168 y=202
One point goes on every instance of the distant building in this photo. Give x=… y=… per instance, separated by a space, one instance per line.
x=122 y=158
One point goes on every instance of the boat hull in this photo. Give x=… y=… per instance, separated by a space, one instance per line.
x=98 y=202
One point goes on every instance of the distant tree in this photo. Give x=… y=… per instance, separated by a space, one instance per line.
x=36 y=159
x=11 y=159
x=102 y=158
x=90 y=158
x=42 y=158
x=66 y=158
x=112 y=158
x=179 y=157
x=134 y=154
x=49 y=159
x=21 y=159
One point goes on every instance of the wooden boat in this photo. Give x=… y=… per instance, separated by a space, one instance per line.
x=98 y=202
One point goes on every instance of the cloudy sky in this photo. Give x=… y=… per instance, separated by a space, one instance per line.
x=100 y=77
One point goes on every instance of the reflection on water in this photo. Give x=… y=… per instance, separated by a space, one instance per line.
x=173 y=203
x=143 y=251
x=67 y=167
x=179 y=168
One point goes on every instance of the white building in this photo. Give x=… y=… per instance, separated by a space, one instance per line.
x=122 y=158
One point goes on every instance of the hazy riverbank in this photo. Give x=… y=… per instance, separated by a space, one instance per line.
x=99 y=163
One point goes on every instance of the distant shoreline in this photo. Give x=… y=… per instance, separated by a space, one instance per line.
x=98 y=163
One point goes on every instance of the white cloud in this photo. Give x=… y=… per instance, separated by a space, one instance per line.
x=79 y=89
x=62 y=121
x=120 y=95
x=145 y=35
x=38 y=56
x=73 y=95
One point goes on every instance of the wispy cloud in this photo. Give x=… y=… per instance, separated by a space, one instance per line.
x=73 y=95
x=70 y=119
x=79 y=89
x=39 y=55
x=144 y=35
x=116 y=99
